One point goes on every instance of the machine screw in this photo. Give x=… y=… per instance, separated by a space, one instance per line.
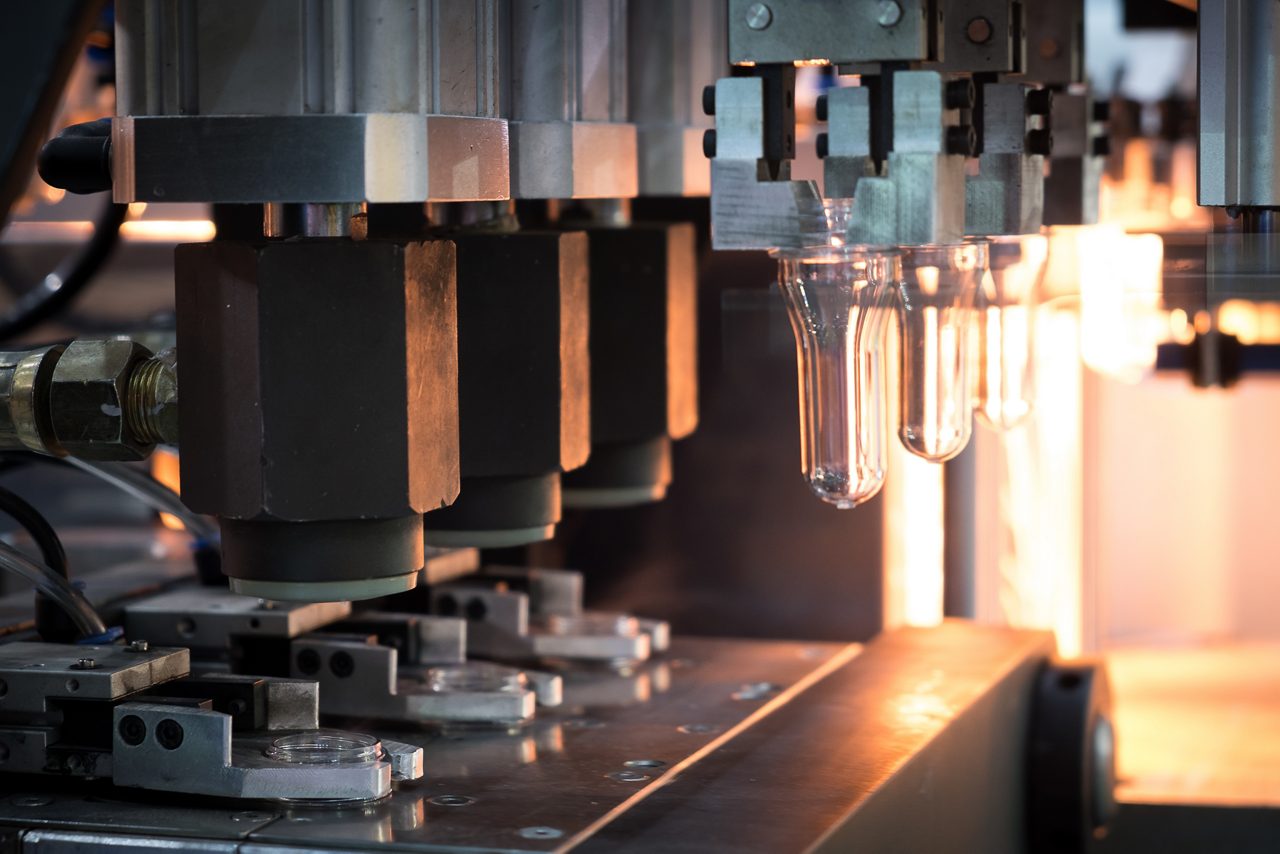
x=132 y=730
x=960 y=94
x=629 y=776
x=823 y=144
x=138 y=646
x=978 y=30
x=709 y=100
x=698 y=729
x=1040 y=141
x=645 y=763
x=31 y=800
x=709 y=144
x=1040 y=102
x=820 y=108
x=888 y=13
x=961 y=139
x=541 y=833
x=759 y=16
x=84 y=664
x=169 y=733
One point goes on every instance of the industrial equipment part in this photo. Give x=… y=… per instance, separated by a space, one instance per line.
x=319 y=496
x=862 y=736
x=519 y=614
x=643 y=358
x=130 y=715
x=377 y=665
x=523 y=390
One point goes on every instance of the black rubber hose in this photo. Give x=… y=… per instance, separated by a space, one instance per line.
x=51 y=622
x=42 y=533
x=58 y=289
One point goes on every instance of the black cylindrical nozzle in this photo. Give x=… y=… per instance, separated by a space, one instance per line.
x=78 y=159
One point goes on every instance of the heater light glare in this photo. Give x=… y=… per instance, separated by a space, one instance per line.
x=1006 y=315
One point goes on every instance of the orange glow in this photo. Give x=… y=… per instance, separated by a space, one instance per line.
x=1251 y=322
x=1120 y=318
x=165 y=468
x=168 y=230
x=913 y=525
x=1030 y=516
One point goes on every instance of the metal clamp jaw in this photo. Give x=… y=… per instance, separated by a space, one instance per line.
x=518 y=614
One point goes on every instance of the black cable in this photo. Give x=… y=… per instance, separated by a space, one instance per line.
x=58 y=289
x=51 y=622
x=42 y=533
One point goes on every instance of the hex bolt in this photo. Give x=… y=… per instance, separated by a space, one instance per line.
x=84 y=664
x=709 y=100
x=1040 y=102
x=169 y=734
x=820 y=108
x=759 y=16
x=1040 y=141
x=138 y=646
x=132 y=729
x=960 y=94
x=978 y=30
x=823 y=144
x=961 y=139
x=888 y=13
x=709 y=144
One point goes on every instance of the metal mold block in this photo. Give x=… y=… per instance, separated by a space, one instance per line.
x=34 y=673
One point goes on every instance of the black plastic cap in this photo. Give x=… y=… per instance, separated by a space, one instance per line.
x=78 y=159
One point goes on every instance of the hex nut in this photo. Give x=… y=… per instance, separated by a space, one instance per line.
x=87 y=399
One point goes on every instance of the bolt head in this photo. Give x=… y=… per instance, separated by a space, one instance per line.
x=888 y=13
x=139 y=646
x=86 y=664
x=87 y=399
x=759 y=16
x=978 y=30
x=709 y=144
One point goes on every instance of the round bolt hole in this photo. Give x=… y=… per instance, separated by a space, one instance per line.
x=541 y=833
x=255 y=623
x=169 y=734
x=756 y=691
x=644 y=763
x=582 y=723
x=1069 y=681
x=73 y=685
x=451 y=801
x=308 y=662
x=698 y=729
x=629 y=776
x=342 y=664
x=447 y=606
x=132 y=730
x=31 y=800
x=237 y=707
x=476 y=609
x=186 y=627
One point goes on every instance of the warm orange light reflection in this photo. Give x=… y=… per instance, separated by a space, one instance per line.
x=168 y=230
x=1120 y=318
x=165 y=468
x=913 y=526
x=1251 y=322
